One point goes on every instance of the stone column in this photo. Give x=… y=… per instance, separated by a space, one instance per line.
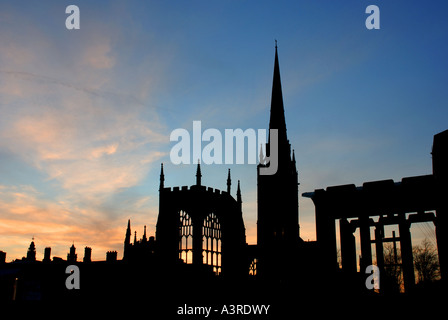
x=406 y=253
x=379 y=235
x=366 y=247
x=348 y=246
x=326 y=237
x=442 y=240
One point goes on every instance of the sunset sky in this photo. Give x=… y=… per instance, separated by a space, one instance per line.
x=86 y=115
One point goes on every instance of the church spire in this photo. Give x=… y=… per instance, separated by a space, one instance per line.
x=198 y=174
x=127 y=239
x=229 y=182
x=238 y=194
x=162 y=178
x=277 y=119
x=277 y=230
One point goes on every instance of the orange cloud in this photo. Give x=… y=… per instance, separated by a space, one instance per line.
x=104 y=150
x=25 y=214
x=67 y=117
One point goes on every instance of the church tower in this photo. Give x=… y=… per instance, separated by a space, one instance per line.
x=277 y=196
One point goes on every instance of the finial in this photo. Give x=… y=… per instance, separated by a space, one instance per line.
x=229 y=182
x=238 y=193
x=162 y=178
x=198 y=174
x=275 y=43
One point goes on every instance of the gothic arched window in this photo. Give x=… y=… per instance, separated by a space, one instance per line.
x=211 y=242
x=253 y=268
x=185 y=238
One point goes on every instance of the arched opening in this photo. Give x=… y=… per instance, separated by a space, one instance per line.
x=253 y=267
x=185 y=238
x=211 y=242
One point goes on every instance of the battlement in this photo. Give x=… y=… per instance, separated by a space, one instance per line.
x=196 y=189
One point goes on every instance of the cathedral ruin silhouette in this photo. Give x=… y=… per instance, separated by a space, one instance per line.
x=203 y=226
x=200 y=233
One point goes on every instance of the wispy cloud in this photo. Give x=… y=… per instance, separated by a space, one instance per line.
x=71 y=119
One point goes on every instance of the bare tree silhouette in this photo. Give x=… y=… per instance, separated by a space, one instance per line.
x=426 y=262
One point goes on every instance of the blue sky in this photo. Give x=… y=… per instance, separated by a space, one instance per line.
x=85 y=115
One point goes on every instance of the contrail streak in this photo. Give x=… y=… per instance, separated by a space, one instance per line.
x=102 y=94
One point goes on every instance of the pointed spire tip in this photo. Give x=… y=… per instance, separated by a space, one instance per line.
x=198 y=174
